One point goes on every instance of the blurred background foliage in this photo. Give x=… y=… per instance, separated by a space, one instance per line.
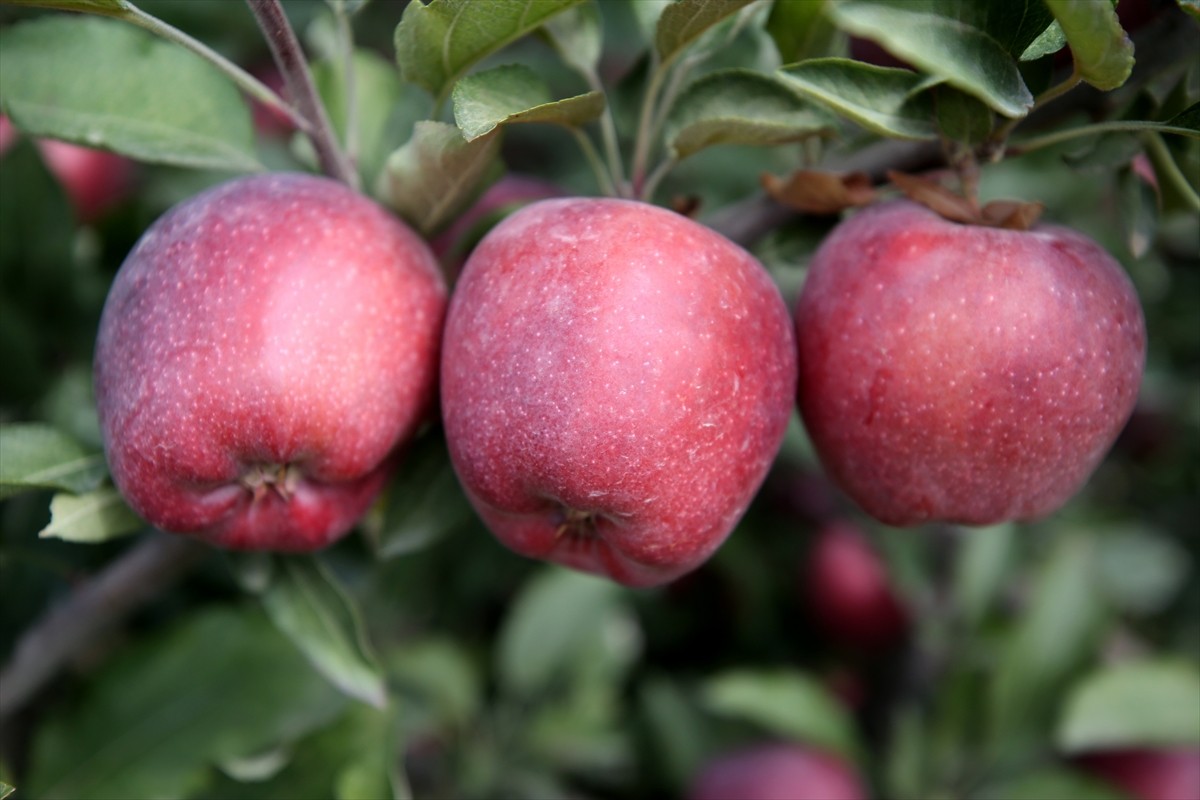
x=456 y=669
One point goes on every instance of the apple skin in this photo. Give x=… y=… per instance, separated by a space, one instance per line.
x=776 y=772
x=616 y=381
x=263 y=350
x=961 y=373
x=848 y=591
x=1168 y=774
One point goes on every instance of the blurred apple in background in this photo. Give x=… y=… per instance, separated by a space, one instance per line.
x=95 y=181
x=1145 y=774
x=777 y=771
x=848 y=591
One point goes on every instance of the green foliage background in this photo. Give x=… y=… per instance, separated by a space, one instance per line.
x=418 y=657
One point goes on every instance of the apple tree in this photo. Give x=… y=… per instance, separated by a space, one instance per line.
x=600 y=399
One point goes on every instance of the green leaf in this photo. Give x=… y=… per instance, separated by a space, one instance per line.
x=34 y=456
x=785 y=703
x=6 y=790
x=1102 y=50
x=155 y=102
x=91 y=518
x=1051 y=41
x=1143 y=704
x=804 y=30
x=1192 y=7
x=110 y=8
x=1050 y=782
x=740 y=106
x=983 y=558
x=514 y=94
x=959 y=54
x=678 y=735
x=1188 y=119
x=437 y=678
x=577 y=36
x=438 y=42
x=219 y=685
x=961 y=117
x=377 y=88
x=683 y=21
x=423 y=502
x=1054 y=638
x=437 y=173
x=890 y=102
x=306 y=603
x=549 y=624
x=1141 y=570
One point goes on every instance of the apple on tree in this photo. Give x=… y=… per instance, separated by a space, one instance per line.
x=776 y=771
x=848 y=592
x=1149 y=774
x=263 y=351
x=94 y=180
x=964 y=373
x=616 y=381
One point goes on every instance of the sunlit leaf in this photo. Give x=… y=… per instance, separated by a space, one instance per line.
x=960 y=54
x=108 y=8
x=90 y=518
x=437 y=173
x=740 y=106
x=138 y=108
x=515 y=94
x=35 y=456
x=1102 y=50
x=307 y=604
x=437 y=42
x=890 y=102
x=1142 y=704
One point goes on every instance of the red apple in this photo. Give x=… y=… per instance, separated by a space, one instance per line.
x=615 y=385
x=263 y=351
x=94 y=180
x=1170 y=774
x=776 y=772
x=964 y=373
x=511 y=192
x=848 y=590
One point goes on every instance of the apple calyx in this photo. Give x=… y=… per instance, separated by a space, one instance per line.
x=1014 y=215
x=579 y=523
x=280 y=478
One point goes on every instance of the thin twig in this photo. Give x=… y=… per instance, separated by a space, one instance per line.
x=92 y=610
x=289 y=57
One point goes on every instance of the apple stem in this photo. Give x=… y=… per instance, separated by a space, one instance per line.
x=289 y=57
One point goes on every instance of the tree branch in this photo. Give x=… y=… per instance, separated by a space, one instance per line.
x=289 y=57
x=92 y=610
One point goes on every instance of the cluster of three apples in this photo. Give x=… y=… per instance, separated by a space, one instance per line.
x=615 y=379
